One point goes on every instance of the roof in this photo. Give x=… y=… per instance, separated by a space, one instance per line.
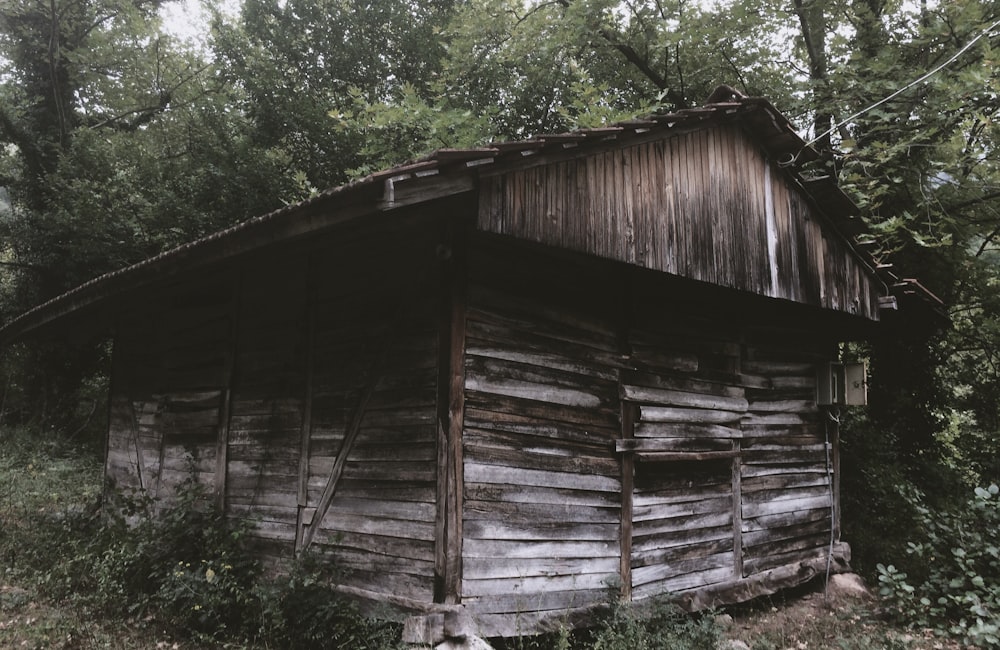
x=449 y=172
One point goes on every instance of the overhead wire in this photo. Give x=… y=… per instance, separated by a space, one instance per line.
x=913 y=83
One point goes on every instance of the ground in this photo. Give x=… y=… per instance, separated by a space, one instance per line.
x=804 y=620
x=844 y=616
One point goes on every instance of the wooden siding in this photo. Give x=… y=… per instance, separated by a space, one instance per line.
x=374 y=370
x=300 y=375
x=721 y=446
x=691 y=401
x=786 y=472
x=266 y=400
x=312 y=389
x=170 y=374
x=542 y=490
x=732 y=478
x=704 y=205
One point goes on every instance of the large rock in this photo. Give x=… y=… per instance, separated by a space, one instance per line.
x=847 y=586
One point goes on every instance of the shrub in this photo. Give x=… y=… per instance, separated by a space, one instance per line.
x=659 y=625
x=955 y=585
x=303 y=610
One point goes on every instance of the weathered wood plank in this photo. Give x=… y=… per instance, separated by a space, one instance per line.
x=530 y=513
x=528 y=549
x=541 y=530
x=598 y=582
x=665 y=397
x=689 y=415
x=663 y=573
x=486 y=473
x=493 y=568
x=517 y=604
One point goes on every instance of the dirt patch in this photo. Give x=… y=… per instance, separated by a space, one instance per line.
x=844 y=616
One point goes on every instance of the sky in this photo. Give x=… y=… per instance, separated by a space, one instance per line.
x=188 y=20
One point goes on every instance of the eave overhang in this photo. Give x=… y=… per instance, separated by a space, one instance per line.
x=450 y=172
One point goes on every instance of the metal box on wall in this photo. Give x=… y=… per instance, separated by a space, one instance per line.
x=842 y=384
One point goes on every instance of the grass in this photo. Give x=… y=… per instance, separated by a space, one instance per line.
x=47 y=487
x=42 y=482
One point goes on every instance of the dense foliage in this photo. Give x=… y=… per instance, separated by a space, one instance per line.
x=954 y=583
x=121 y=140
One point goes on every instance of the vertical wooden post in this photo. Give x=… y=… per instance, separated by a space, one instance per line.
x=737 y=510
x=225 y=406
x=737 y=477
x=116 y=380
x=451 y=416
x=307 y=404
x=834 y=429
x=629 y=415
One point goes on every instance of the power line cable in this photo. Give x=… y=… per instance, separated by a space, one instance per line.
x=913 y=83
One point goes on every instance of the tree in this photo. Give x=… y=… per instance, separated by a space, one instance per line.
x=299 y=60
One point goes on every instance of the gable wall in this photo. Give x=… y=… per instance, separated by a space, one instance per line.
x=703 y=205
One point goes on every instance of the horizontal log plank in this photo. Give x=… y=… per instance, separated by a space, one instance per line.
x=516 y=605
x=642 y=513
x=687 y=415
x=643 y=543
x=664 y=397
x=666 y=556
x=533 y=460
x=349 y=522
x=644 y=575
x=487 y=473
x=680 y=524
x=525 y=585
x=783 y=519
x=528 y=513
x=538 y=392
x=542 y=423
x=686 y=430
x=541 y=495
x=406 y=548
x=673 y=444
x=694 y=580
x=527 y=549
x=684 y=383
x=494 y=568
x=546 y=360
x=541 y=530
x=752 y=510
x=684 y=456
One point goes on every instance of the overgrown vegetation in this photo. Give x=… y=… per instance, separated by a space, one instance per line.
x=73 y=576
x=953 y=585
x=185 y=571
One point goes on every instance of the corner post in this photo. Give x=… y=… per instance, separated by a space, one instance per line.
x=451 y=414
x=226 y=398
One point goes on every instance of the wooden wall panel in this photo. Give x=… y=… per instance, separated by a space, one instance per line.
x=265 y=414
x=691 y=402
x=541 y=512
x=731 y=475
x=786 y=478
x=170 y=371
x=376 y=351
x=704 y=205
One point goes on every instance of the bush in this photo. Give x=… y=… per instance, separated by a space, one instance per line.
x=182 y=568
x=661 y=627
x=954 y=587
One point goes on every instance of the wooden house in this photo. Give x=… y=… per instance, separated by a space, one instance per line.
x=508 y=380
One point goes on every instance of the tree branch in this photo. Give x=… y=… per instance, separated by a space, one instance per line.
x=640 y=62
